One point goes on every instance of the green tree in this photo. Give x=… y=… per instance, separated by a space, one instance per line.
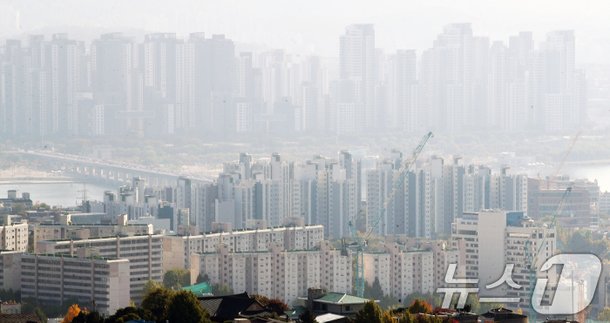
x=150 y=286
x=373 y=291
x=88 y=317
x=202 y=278
x=420 y=307
x=40 y=314
x=185 y=307
x=221 y=290
x=376 y=292
x=604 y=315
x=126 y=314
x=157 y=303
x=370 y=313
x=307 y=317
x=176 y=278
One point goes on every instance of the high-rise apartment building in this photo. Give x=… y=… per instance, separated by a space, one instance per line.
x=357 y=74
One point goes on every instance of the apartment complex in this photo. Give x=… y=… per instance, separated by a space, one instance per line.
x=178 y=249
x=88 y=231
x=54 y=279
x=277 y=272
x=144 y=252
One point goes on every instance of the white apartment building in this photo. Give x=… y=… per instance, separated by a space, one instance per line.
x=52 y=279
x=77 y=232
x=13 y=236
x=492 y=239
x=178 y=249
x=145 y=255
x=400 y=271
x=335 y=269
x=276 y=273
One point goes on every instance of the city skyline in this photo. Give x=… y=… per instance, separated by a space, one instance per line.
x=290 y=26
x=165 y=85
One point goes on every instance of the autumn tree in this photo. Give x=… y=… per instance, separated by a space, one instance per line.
x=185 y=307
x=371 y=313
x=420 y=307
x=73 y=312
x=273 y=304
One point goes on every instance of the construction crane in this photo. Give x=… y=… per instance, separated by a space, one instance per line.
x=533 y=257
x=361 y=242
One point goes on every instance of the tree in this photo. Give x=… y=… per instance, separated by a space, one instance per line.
x=202 y=278
x=275 y=305
x=73 y=312
x=157 y=303
x=433 y=299
x=185 y=307
x=373 y=291
x=40 y=314
x=150 y=286
x=585 y=241
x=604 y=315
x=420 y=307
x=221 y=290
x=307 y=317
x=126 y=314
x=406 y=317
x=176 y=278
x=370 y=313
x=88 y=317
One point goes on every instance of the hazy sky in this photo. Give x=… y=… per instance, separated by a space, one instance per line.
x=313 y=26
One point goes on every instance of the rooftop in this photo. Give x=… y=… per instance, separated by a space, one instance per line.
x=341 y=298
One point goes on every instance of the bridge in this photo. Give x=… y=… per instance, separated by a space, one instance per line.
x=103 y=170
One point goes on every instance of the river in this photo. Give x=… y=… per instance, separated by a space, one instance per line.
x=56 y=192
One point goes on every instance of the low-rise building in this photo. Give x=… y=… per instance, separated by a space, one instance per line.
x=320 y=302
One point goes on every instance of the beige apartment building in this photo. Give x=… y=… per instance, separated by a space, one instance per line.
x=178 y=249
x=144 y=252
x=277 y=272
x=53 y=279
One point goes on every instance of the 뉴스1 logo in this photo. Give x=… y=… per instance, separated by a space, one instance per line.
x=571 y=293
